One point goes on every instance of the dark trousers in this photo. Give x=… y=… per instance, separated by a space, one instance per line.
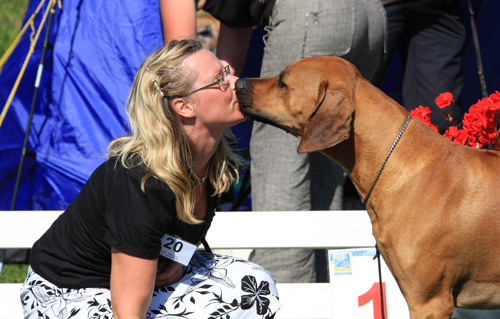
x=431 y=47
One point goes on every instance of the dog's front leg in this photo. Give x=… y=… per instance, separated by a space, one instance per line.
x=431 y=303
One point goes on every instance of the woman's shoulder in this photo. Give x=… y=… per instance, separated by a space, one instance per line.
x=130 y=166
x=133 y=171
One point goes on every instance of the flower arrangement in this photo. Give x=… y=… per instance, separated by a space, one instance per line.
x=479 y=126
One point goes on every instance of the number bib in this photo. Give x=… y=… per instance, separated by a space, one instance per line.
x=176 y=249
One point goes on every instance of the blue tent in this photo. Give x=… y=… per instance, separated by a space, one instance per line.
x=95 y=48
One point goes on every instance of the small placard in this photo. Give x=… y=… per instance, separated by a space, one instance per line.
x=176 y=249
x=356 y=290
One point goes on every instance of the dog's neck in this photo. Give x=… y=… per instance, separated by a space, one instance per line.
x=396 y=141
x=376 y=123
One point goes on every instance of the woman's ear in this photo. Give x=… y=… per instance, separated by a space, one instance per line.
x=182 y=107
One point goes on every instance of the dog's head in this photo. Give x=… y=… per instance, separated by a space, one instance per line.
x=207 y=31
x=313 y=99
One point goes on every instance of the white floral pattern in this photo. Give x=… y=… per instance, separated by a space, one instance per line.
x=213 y=287
x=42 y=299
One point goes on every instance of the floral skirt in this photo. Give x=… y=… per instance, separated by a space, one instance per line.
x=213 y=286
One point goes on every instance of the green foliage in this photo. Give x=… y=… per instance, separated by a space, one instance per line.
x=11 y=17
x=13 y=273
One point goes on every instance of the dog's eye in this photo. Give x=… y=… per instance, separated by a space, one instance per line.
x=280 y=83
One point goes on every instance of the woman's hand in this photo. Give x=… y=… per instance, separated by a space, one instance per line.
x=132 y=283
x=168 y=273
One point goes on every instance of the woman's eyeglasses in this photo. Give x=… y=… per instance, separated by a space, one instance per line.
x=221 y=80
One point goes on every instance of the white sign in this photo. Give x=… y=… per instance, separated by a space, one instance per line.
x=354 y=279
x=176 y=249
x=356 y=292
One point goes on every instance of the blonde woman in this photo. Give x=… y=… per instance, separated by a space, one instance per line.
x=125 y=247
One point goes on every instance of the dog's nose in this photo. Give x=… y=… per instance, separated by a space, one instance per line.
x=242 y=85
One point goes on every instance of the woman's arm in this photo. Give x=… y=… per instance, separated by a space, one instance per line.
x=132 y=284
x=178 y=19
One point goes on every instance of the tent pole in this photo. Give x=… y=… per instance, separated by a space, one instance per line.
x=32 y=110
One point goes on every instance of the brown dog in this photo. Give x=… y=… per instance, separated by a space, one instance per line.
x=207 y=31
x=435 y=207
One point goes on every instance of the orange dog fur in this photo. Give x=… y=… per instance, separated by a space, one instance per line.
x=435 y=208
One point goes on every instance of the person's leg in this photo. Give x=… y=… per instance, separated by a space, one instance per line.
x=282 y=179
x=280 y=182
x=217 y=286
x=368 y=35
x=43 y=299
x=280 y=176
x=362 y=38
x=434 y=63
x=398 y=19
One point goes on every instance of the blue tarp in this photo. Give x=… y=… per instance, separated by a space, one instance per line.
x=97 y=46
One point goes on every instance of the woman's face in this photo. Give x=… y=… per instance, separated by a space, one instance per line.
x=215 y=106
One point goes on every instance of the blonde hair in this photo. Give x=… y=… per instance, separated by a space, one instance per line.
x=156 y=134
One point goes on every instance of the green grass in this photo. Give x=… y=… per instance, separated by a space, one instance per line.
x=11 y=16
x=13 y=273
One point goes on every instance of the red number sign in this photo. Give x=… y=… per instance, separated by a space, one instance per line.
x=374 y=295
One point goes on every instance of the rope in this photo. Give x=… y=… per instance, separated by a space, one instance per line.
x=382 y=304
x=29 y=23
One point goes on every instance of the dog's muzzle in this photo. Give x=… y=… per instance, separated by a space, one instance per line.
x=244 y=89
x=243 y=85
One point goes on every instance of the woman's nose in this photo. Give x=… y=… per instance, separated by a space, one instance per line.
x=232 y=80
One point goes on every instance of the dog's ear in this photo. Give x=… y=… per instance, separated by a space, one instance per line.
x=329 y=124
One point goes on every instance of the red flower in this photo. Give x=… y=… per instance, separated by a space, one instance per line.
x=444 y=99
x=480 y=125
x=456 y=135
x=421 y=113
